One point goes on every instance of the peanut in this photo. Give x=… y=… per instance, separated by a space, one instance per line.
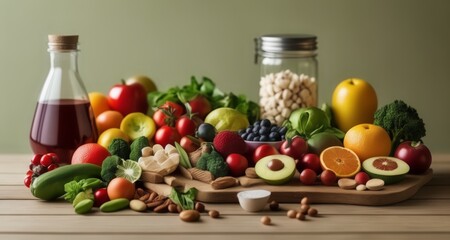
x=138 y=205
x=214 y=213
x=266 y=220
x=189 y=215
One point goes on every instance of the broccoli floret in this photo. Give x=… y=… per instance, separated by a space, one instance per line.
x=136 y=146
x=120 y=148
x=401 y=121
x=109 y=167
x=214 y=163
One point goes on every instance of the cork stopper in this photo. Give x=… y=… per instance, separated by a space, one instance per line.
x=63 y=42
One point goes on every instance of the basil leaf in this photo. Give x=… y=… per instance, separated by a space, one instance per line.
x=185 y=200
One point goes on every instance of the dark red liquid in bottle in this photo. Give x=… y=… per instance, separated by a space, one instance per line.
x=60 y=126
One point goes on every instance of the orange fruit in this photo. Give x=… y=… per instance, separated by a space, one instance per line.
x=99 y=102
x=342 y=161
x=90 y=153
x=108 y=119
x=120 y=188
x=107 y=136
x=368 y=140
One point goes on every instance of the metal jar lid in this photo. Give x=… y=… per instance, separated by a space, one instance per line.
x=286 y=45
x=62 y=42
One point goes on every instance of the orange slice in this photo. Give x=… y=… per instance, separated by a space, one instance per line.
x=342 y=161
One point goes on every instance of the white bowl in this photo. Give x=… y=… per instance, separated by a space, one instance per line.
x=253 y=200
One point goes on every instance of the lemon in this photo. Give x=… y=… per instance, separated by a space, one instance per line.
x=138 y=124
x=227 y=119
x=109 y=135
x=129 y=170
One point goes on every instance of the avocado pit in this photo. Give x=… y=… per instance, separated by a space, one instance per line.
x=275 y=164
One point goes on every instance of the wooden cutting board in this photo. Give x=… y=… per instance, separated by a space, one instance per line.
x=294 y=191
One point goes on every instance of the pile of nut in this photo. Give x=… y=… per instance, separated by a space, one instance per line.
x=151 y=201
x=300 y=214
x=281 y=93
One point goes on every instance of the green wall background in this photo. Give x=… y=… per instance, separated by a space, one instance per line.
x=401 y=47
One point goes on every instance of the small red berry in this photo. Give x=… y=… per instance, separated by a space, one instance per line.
x=52 y=167
x=30 y=172
x=27 y=181
x=46 y=160
x=36 y=159
x=55 y=157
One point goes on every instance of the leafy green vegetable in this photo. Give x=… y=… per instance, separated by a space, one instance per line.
x=401 y=121
x=184 y=158
x=136 y=147
x=109 y=167
x=186 y=200
x=207 y=88
x=214 y=163
x=120 y=148
x=308 y=121
x=74 y=187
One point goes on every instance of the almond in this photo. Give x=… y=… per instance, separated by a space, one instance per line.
x=224 y=182
x=201 y=175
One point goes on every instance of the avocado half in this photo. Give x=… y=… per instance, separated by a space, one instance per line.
x=275 y=169
x=389 y=169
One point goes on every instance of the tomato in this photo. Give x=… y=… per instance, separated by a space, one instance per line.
x=178 y=109
x=328 y=178
x=296 y=150
x=167 y=135
x=168 y=113
x=100 y=197
x=263 y=151
x=237 y=164
x=128 y=98
x=200 y=106
x=189 y=143
x=185 y=126
x=120 y=188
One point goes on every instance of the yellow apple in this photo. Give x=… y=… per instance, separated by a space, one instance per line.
x=354 y=101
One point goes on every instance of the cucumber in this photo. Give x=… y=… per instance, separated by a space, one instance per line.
x=50 y=185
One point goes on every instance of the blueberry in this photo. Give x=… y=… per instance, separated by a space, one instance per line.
x=250 y=137
x=264 y=131
x=244 y=135
x=255 y=129
x=275 y=135
x=266 y=123
x=274 y=128
x=241 y=131
x=282 y=130
x=264 y=138
x=257 y=123
x=256 y=138
x=249 y=130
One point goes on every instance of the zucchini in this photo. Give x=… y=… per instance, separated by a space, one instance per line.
x=50 y=185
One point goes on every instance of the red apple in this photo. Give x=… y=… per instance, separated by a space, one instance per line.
x=263 y=151
x=415 y=154
x=237 y=164
x=362 y=178
x=311 y=161
x=297 y=148
x=128 y=98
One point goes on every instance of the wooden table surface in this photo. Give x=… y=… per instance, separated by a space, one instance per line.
x=425 y=215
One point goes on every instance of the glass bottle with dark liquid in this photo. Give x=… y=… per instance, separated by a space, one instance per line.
x=63 y=119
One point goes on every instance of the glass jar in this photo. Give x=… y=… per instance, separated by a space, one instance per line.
x=288 y=71
x=63 y=119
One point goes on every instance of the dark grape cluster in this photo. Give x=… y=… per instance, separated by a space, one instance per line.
x=263 y=131
x=40 y=164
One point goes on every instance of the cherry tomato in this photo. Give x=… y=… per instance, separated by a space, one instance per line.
x=167 y=135
x=237 y=164
x=311 y=161
x=185 y=126
x=100 y=197
x=178 y=109
x=328 y=178
x=200 y=106
x=308 y=177
x=263 y=151
x=189 y=144
x=160 y=118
